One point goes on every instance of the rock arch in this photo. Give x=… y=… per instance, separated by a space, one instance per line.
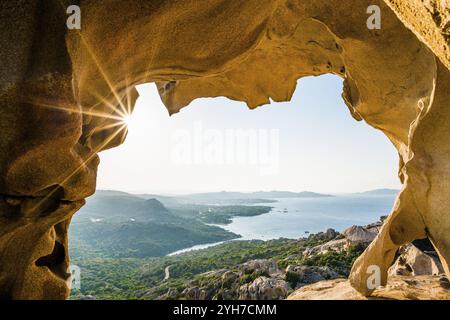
x=64 y=94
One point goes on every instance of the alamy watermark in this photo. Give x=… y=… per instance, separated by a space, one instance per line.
x=374 y=20
x=253 y=147
x=74 y=20
x=374 y=280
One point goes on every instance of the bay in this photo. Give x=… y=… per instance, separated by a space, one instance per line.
x=294 y=218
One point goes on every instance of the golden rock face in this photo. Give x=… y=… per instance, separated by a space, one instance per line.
x=64 y=93
x=430 y=21
x=398 y=288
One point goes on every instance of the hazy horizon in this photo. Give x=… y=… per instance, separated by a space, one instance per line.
x=163 y=193
x=311 y=143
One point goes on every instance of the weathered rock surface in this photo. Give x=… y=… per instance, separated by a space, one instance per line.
x=339 y=245
x=261 y=266
x=254 y=280
x=430 y=20
x=310 y=274
x=398 y=288
x=354 y=235
x=192 y=293
x=358 y=234
x=64 y=94
x=413 y=261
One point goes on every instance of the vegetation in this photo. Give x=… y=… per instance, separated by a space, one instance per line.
x=121 y=242
x=140 y=240
x=120 y=225
x=339 y=262
x=224 y=214
x=144 y=278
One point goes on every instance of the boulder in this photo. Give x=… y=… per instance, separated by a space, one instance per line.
x=413 y=261
x=229 y=276
x=206 y=294
x=171 y=294
x=374 y=227
x=192 y=293
x=262 y=266
x=328 y=235
x=358 y=234
x=334 y=245
x=311 y=274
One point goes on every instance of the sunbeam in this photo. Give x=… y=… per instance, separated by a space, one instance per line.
x=92 y=113
x=81 y=166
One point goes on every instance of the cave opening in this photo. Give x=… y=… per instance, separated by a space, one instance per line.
x=320 y=145
x=311 y=143
x=63 y=104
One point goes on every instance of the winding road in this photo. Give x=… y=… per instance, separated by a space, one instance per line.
x=167 y=273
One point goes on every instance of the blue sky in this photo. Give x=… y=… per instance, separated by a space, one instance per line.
x=310 y=143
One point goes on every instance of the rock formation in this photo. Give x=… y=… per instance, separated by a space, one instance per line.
x=413 y=261
x=430 y=19
x=253 y=280
x=318 y=272
x=358 y=234
x=265 y=289
x=397 y=288
x=64 y=94
x=353 y=236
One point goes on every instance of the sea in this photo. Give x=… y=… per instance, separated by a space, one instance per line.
x=294 y=218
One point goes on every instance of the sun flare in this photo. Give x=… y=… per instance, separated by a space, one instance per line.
x=127 y=120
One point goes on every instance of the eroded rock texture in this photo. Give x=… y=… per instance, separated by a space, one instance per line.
x=63 y=95
x=430 y=20
x=398 y=288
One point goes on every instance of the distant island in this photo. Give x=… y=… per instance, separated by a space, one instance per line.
x=288 y=194
x=251 y=197
x=380 y=192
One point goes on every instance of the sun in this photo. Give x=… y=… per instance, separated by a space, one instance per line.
x=127 y=120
